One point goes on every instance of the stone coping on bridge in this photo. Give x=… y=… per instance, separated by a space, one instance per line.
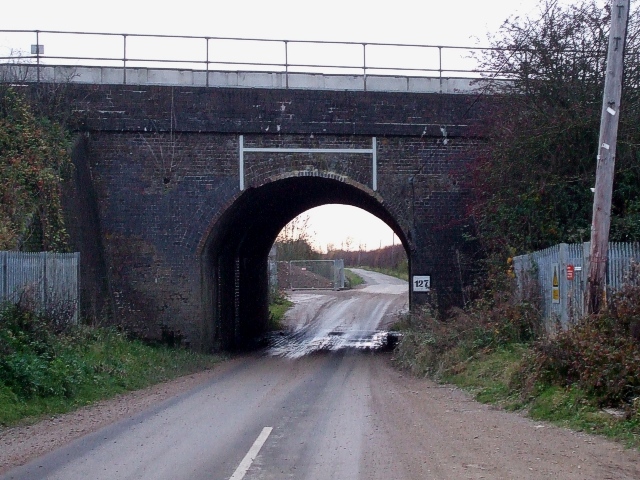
x=245 y=79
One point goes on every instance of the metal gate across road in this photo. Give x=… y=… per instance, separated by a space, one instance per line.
x=316 y=274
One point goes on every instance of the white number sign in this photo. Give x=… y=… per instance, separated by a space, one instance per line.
x=421 y=283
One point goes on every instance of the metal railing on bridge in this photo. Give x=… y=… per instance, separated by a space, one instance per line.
x=128 y=51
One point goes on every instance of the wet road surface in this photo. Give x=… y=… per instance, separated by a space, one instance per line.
x=327 y=320
x=334 y=413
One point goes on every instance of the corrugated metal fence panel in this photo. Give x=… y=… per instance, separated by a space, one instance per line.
x=3 y=277
x=572 y=292
x=620 y=257
x=527 y=284
x=62 y=284
x=44 y=281
x=576 y=287
x=25 y=279
x=614 y=268
x=543 y=261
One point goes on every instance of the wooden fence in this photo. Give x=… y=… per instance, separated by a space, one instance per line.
x=47 y=282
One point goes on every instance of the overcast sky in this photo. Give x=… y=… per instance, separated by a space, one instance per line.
x=459 y=23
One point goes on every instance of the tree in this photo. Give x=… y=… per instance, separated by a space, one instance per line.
x=531 y=182
x=294 y=241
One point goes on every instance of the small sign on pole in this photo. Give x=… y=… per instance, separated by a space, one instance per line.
x=555 y=285
x=421 y=283
x=570 y=272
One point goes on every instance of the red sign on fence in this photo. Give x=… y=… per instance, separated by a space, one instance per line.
x=570 y=272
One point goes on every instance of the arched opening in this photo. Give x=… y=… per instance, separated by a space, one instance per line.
x=235 y=255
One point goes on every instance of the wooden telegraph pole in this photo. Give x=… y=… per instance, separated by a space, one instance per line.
x=601 y=221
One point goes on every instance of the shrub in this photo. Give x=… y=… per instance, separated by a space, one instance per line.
x=33 y=361
x=596 y=355
x=600 y=355
x=431 y=344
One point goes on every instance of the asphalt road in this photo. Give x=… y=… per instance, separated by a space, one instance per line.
x=332 y=413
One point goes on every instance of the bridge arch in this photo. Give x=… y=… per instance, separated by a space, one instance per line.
x=234 y=251
x=161 y=247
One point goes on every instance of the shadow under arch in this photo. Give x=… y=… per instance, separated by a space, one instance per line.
x=235 y=251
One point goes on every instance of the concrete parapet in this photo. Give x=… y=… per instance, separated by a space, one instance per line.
x=387 y=84
x=84 y=75
x=275 y=80
x=168 y=77
x=111 y=75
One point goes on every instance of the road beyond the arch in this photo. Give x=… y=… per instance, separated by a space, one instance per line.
x=327 y=320
x=335 y=413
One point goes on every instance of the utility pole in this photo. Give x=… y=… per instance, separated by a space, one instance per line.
x=601 y=220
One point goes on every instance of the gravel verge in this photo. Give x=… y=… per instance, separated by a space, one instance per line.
x=20 y=444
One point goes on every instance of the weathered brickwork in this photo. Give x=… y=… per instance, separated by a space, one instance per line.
x=184 y=247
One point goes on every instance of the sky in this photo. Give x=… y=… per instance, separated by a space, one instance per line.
x=425 y=22
x=402 y=21
x=348 y=228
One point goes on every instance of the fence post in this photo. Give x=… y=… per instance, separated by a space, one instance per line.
x=207 y=61
x=124 y=59
x=440 y=67
x=364 y=65
x=38 y=56
x=286 y=63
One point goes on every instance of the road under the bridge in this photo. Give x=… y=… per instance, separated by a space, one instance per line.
x=333 y=413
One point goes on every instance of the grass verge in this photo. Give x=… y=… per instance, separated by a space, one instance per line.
x=489 y=378
x=47 y=372
x=352 y=278
x=277 y=309
x=401 y=273
x=585 y=377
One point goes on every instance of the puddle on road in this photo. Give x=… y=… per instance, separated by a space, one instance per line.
x=354 y=320
x=298 y=344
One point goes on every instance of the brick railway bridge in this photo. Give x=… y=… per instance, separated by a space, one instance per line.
x=181 y=189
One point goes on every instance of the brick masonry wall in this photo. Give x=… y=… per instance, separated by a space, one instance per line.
x=164 y=166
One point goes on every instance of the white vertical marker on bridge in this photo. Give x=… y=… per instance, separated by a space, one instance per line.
x=241 y=160
x=374 y=167
x=251 y=455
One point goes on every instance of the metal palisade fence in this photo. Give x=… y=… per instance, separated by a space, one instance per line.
x=557 y=276
x=316 y=274
x=46 y=282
